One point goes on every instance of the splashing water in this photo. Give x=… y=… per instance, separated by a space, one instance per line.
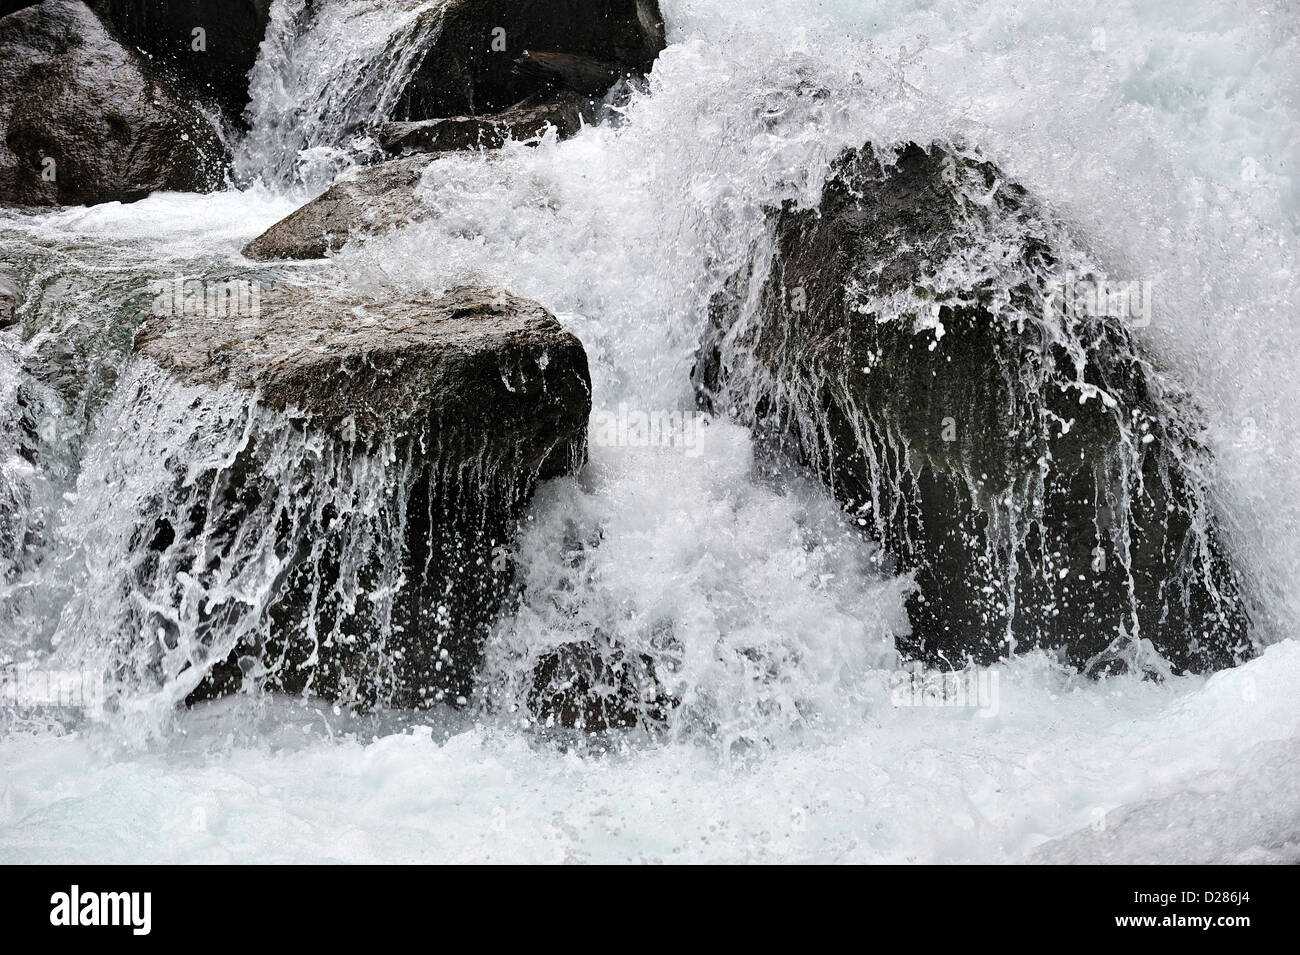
x=768 y=613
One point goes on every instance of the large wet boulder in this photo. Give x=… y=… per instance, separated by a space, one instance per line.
x=83 y=120
x=471 y=66
x=937 y=349
x=366 y=201
x=355 y=541
x=206 y=47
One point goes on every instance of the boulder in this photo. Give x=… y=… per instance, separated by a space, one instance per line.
x=212 y=65
x=82 y=119
x=565 y=112
x=366 y=201
x=919 y=340
x=427 y=424
x=470 y=67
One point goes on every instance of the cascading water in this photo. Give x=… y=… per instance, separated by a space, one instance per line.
x=766 y=613
x=326 y=72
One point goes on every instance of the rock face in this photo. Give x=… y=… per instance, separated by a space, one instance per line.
x=432 y=421
x=470 y=69
x=212 y=65
x=566 y=112
x=82 y=120
x=919 y=340
x=365 y=202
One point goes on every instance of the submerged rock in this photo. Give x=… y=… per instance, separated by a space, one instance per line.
x=82 y=120
x=566 y=113
x=367 y=201
x=919 y=339
x=207 y=47
x=375 y=556
x=576 y=686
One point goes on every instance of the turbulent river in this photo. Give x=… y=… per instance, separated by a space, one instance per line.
x=1166 y=134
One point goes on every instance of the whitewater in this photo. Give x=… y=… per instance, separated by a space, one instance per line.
x=1165 y=134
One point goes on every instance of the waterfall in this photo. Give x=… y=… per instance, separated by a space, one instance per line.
x=328 y=71
x=223 y=544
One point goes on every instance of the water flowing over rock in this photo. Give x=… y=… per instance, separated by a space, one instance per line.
x=374 y=200
x=326 y=489
x=8 y=301
x=566 y=113
x=471 y=67
x=919 y=339
x=366 y=201
x=21 y=520
x=414 y=60
x=82 y=120
x=579 y=687
x=208 y=47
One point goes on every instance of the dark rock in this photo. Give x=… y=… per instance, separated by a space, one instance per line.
x=8 y=301
x=470 y=68
x=164 y=29
x=1041 y=479
x=564 y=71
x=566 y=113
x=82 y=120
x=577 y=687
x=367 y=201
x=469 y=398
